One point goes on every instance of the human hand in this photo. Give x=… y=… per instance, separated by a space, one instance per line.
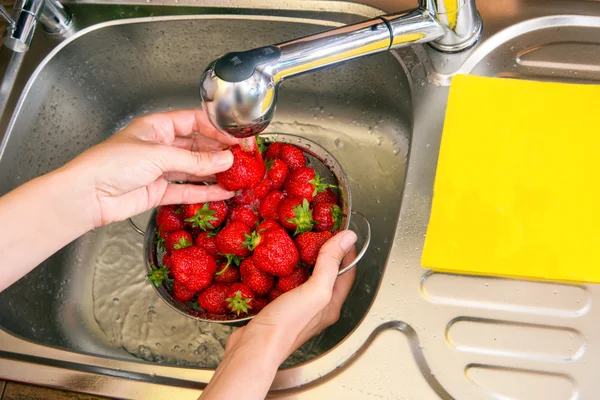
x=296 y=316
x=133 y=171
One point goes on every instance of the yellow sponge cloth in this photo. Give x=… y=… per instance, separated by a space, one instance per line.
x=517 y=188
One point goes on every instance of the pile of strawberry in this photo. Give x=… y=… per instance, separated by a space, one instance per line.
x=231 y=258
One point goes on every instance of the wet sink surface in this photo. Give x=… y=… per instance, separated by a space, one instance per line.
x=92 y=295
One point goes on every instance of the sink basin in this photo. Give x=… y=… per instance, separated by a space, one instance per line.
x=92 y=296
x=86 y=320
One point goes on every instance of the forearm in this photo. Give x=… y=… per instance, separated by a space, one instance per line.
x=246 y=372
x=40 y=217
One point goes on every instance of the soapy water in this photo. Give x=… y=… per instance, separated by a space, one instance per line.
x=134 y=318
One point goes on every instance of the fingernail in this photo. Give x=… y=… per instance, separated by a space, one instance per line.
x=347 y=240
x=221 y=158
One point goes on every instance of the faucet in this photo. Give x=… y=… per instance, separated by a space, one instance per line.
x=55 y=18
x=239 y=90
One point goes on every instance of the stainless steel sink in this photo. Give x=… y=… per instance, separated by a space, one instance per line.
x=86 y=320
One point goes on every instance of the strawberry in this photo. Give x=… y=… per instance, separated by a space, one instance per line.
x=169 y=218
x=158 y=275
x=328 y=196
x=275 y=293
x=292 y=156
x=245 y=215
x=239 y=298
x=212 y=299
x=277 y=171
x=178 y=240
x=304 y=182
x=226 y=273
x=258 y=281
x=267 y=224
x=181 y=293
x=327 y=217
x=208 y=241
x=274 y=252
x=166 y=260
x=292 y=281
x=247 y=171
x=230 y=240
x=193 y=267
x=268 y=206
x=205 y=216
x=258 y=304
x=250 y=196
x=309 y=244
x=295 y=215
x=272 y=151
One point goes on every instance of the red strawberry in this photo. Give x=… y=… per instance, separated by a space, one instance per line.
x=205 y=216
x=245 y=215
x=268 y=206
x=275 y=293
x=208 y=241
x=326 y=197
x=193 y=267
x=274 y=252
x=226 y=273
x=178 y=240
x=258 y=304
x=230 y=240
x=181 y=293
x=268 y=224
x=277 y=171
x=250 y=196
x=166 y=260
x=292 y=281
x=239 y=298
x=169 y=218
x=212 y=299
x=304 y=182
x=247 y=171
x=292 y=156
x=309 y=244
x=272 y=151
x=327 y=217
x=260 y=282
x=295 y=215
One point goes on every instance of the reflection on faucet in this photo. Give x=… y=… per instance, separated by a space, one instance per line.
x=239 y=90
x=55 y=18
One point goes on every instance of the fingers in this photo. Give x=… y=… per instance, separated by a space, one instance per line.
x=342 y=287
x=193 y=163
x=187 y=178
x=164 y=127
x=190 y=194
x=330 y=257
x=197 y=142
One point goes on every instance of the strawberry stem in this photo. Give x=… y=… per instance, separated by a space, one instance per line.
x=252 y=241
x=202 y=218
x=231 y=258
x=319 y=187
x=303 y=218
x=239 y=304
x=158 y=275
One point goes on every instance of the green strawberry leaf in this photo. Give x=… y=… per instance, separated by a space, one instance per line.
x=338 y=215
x=252 y=241
x=182 y=244
x=158 y=275
x=303 y=218
x=261 y=144
x=202 y=218
x=319 y=187
x=239 y=304
x=159 y=241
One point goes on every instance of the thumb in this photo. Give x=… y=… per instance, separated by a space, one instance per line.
x=328 y=262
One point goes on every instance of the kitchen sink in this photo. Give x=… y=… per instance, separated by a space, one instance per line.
x=86 y=319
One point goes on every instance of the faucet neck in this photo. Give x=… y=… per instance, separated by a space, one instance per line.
x=460 y=21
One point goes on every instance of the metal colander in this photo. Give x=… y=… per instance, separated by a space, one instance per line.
x=330 y=172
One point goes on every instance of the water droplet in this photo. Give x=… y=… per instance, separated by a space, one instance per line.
x=116 y=300
x=173 y=328
x=339 y=143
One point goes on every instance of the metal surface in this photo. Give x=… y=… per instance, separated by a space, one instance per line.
x=243 y=104
x=26 y=13
x=330 y=172
x=414 y=334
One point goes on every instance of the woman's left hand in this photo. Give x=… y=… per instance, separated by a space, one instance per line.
x=134 y=170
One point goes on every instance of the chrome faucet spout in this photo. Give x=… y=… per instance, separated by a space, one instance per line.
x=239 y=90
